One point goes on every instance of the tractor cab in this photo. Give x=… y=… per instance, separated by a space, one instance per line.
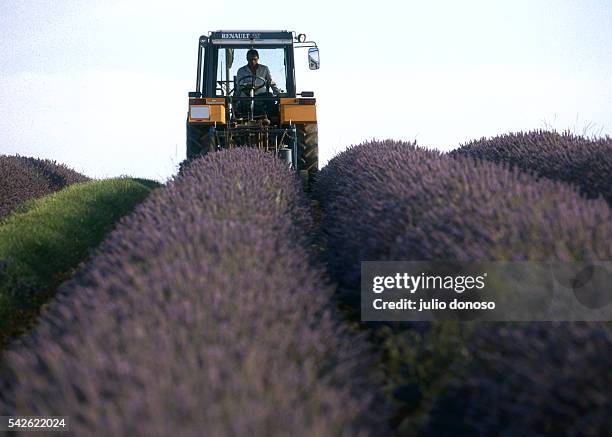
x=235 y=104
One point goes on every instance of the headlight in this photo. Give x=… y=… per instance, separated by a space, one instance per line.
x=199 y=112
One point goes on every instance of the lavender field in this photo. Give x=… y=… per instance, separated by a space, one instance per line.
x=43 y=243
x=203 y=313
x=583 y=162
x=450 y=378
x=24 y=178
x=418 y=204
x=220 y=306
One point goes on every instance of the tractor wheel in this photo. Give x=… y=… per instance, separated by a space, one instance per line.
x=308 y=150
x=199 y=142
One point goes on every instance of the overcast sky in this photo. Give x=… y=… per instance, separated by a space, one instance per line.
x=102 y=86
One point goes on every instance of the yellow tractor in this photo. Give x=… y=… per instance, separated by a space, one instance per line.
x=246 y=95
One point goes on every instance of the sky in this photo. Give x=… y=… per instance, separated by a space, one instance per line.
x=102 y=86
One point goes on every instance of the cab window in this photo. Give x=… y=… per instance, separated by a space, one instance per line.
x=230 y=60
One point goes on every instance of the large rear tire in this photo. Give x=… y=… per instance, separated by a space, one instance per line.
x=199 y=141
x=308 y=150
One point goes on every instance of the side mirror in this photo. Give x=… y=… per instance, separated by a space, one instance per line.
x=313 y=58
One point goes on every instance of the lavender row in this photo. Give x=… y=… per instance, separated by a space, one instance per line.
x=24 y=178
x=202 y=314
x=586 y=163
x=396 y=201
x=532 y=378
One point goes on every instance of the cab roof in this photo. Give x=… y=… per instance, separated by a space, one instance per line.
x=251 y=37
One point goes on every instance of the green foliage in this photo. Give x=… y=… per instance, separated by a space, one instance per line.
x=39 y=246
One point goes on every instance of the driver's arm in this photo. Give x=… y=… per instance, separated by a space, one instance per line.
x=270 y=81
x=239 y=75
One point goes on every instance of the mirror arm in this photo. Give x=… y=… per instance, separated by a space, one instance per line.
x=306 y=44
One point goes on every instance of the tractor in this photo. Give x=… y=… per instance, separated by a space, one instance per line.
x=233 y=106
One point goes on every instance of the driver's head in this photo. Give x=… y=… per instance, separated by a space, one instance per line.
x=252 y=57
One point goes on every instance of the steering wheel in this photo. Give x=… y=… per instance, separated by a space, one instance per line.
x=248 y=83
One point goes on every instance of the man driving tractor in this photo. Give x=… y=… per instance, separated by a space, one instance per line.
x=236 y=105
x=254 y=75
